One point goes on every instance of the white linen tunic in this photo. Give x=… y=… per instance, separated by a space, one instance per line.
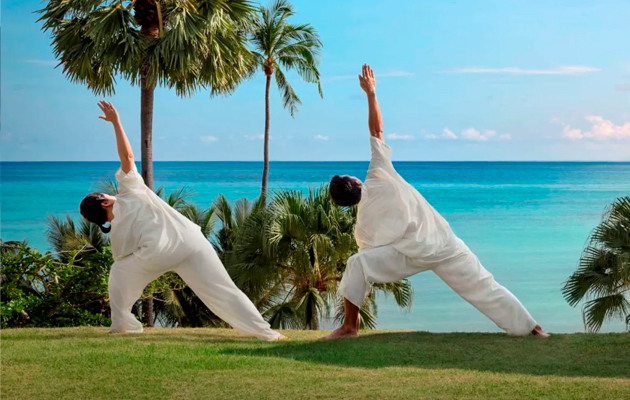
x=144 y=225
x=400 y=234
x=149 y=238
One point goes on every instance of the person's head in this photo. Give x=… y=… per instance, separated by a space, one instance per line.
x=97 y=208
x=345 y=190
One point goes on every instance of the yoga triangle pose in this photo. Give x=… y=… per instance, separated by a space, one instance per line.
x=149 y=237
x=400 y=234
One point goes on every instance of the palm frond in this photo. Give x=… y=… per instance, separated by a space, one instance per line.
x=367 y=313
x=109 y=187
x=205 y=218
x=290 y=100
x=278 y=43
x=310 y=307
x=201 y=44
x=401 y=290
x=282 y=314
x=603 y=273
x=178 y=198
x=72 y=243
x=598 y=310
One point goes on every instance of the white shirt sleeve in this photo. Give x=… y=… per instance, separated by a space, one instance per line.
x=129 y=181
x=381 y=156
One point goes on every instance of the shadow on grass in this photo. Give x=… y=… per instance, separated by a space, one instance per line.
x=604 y=355
x=576 y=355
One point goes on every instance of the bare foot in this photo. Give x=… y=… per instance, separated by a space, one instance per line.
x=279 y=338
x=342 y=332
x=538 y=331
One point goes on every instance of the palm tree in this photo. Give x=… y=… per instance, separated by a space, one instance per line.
x=278 y=43
x=181 y=44
x=231 y=219
x=603 y=274
x=206 y=219
x=72 y=242
x=290 y=256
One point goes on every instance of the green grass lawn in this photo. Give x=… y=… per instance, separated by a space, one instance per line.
x=86 y=363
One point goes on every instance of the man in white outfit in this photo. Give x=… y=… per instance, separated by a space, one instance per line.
x=149 y=238
x=400 y=234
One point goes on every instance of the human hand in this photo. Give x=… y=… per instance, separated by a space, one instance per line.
x=367 y=81
x=111 y=115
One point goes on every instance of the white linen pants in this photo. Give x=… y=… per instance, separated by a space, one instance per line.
x=204 y=273
x=463 y=273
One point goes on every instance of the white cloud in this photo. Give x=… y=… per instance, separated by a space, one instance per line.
x=601 y=129
x=321 y=137
x=566 y=70
x=390 y=74
x=448 y=134
x=473 y=134
x=207 y=138
x=570 y=133
x=44 y=63
x=395 y=136
x=255 y=137
x=469 y=134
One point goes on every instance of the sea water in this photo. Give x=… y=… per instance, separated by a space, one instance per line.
x=528 y=222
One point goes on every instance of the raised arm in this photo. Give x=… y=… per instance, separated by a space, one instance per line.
x=124 y=148
x=368 y=84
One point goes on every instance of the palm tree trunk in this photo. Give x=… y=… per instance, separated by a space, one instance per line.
x=146 y=130
x=148 y=315
x=147 y=93
x=265 y=175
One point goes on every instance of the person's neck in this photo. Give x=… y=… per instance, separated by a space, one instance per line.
x=110 y=213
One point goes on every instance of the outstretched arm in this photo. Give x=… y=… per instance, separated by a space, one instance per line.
x=368 y=84
x=124 y=148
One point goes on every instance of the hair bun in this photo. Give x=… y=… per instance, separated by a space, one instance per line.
x=105 y=229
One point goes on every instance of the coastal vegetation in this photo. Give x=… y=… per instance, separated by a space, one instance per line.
x=185 y=45
x=602 y=279
x=287 y=257
x=278 y=47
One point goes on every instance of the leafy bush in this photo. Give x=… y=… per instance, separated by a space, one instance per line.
x=39 y=290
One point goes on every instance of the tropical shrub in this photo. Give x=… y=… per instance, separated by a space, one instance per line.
x=602 y=279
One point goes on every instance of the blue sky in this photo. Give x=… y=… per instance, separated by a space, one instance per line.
x=457 y=80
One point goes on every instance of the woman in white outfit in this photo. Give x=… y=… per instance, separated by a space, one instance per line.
x=399 y=235
x=149 y=238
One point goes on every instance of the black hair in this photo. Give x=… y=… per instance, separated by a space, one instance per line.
x=344 y=191
x=92 y=209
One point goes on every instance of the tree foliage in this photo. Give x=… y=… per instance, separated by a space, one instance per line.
x=179 y=44
x=288 y=258
x=602 y=279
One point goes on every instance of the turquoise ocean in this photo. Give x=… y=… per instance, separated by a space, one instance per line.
x=527 y=222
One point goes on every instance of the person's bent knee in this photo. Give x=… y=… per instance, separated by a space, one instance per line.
x=354 y=285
